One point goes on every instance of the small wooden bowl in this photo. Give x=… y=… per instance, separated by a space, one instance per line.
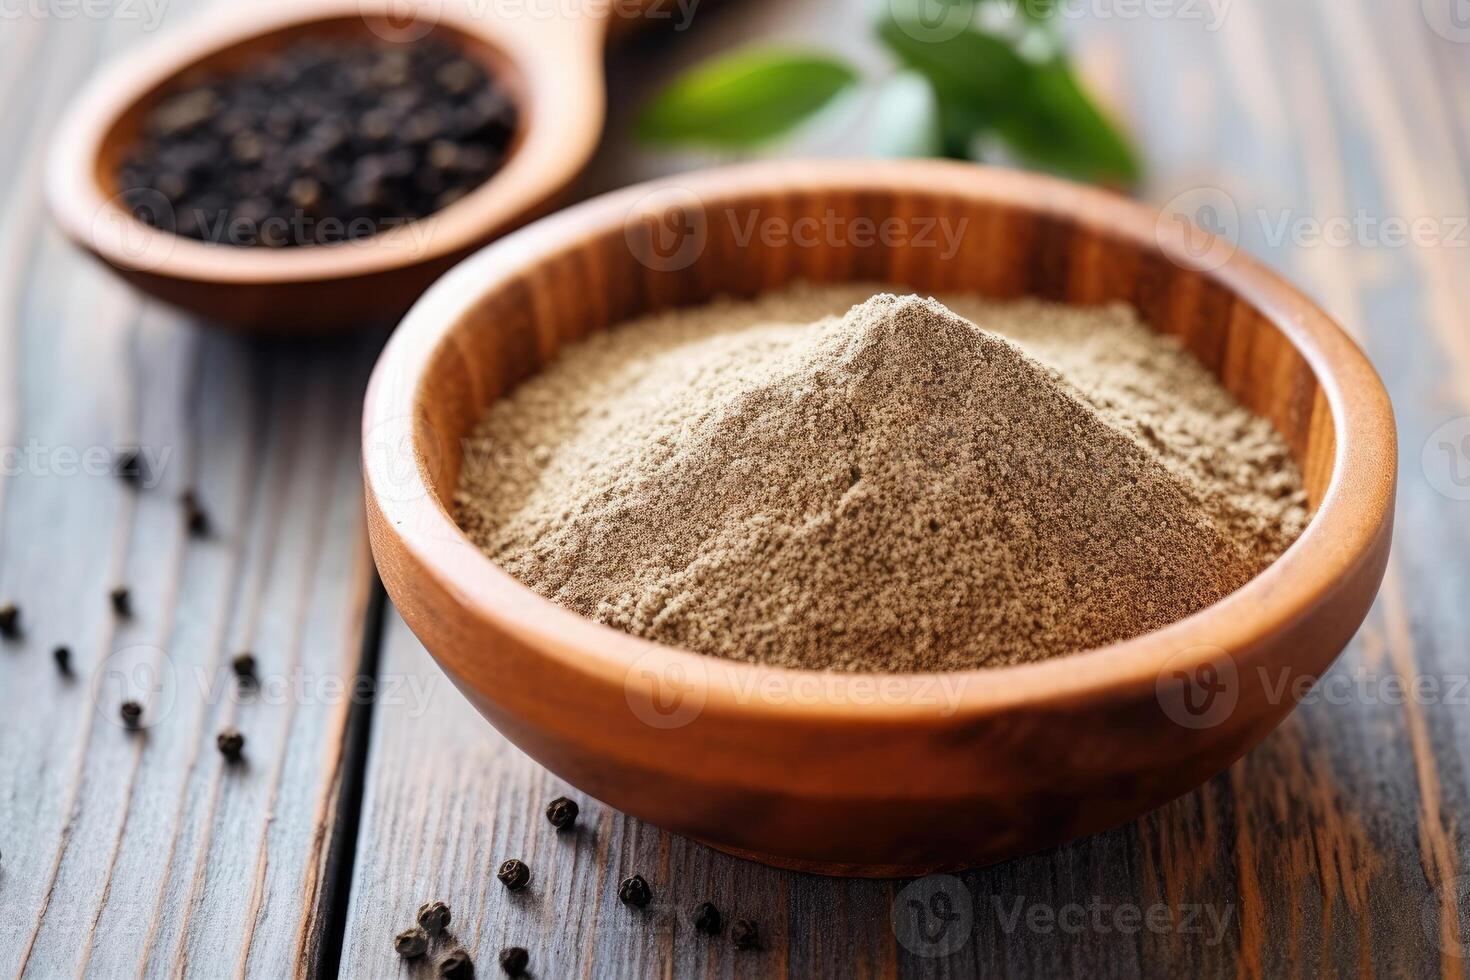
x=550 y=60
x=876 y=774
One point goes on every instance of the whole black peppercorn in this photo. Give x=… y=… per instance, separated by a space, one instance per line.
x=707 y=919
x=562 y=812
x=132 y=713
x=514 y=874
x=195 y=517
x=231 y=744
x=434 y=917
x=411 y=943
x=634 y=891
x=122 y=601
x=62 y=656
x=129 y=467
x=514 y=960
x=244 y=666
x=10 y=620
x=456 y=965
x=744 y=934
x=316 y=143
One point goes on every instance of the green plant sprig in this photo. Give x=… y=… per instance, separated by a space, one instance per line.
x=1007 y=80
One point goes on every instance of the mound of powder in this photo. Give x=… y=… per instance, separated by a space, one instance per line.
x=891 y=489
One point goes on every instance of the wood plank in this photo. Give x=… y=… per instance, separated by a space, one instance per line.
x=1321 y=852
x=130 y=853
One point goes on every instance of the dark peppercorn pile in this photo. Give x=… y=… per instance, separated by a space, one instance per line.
x=317 y=143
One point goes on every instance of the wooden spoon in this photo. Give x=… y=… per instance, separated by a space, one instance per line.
x=547 y=53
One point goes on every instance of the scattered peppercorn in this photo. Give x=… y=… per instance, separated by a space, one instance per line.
x=244 y=666
x=562 y=812
x=434 y=917
x=707 y=919
x=514 y=960
x=744 y=934
x=634 y=891
x=411 y=943
x=318 y=142
x=231 y=744
x=10 y=621
x=514 y=874
x=132 y=713
x=195 y=517
x=62 y=656
x=130 y=467
x=456 y=965
x=122 y=601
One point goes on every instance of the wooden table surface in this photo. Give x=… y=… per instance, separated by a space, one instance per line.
x=1320 y=130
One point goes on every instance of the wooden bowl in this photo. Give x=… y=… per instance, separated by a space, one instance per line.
x=549 y=57
x=874 y=774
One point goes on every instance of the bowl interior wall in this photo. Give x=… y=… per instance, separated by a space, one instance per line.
x=1003 y=252
x=124 y=132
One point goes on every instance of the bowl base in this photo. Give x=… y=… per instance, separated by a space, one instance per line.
x=838 y=870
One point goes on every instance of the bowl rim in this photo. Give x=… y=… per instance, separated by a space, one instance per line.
x=1352 y=515
x=554 y=70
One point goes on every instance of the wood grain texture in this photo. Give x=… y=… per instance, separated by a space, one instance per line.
x=1336 y=847
x=143 y=853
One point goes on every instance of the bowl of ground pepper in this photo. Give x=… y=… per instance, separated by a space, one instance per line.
x=316 y=166
x=877 y=518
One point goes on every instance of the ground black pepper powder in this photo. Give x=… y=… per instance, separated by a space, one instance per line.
x=62 y=656
x=319 y=142
x=132 y=714
x=244 y=666
x=122 y=601
x=10 y=621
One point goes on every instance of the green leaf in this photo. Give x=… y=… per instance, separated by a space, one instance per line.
x=1055 y=124
x=744 y=99
x=1037 y=108
x=978 y=71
